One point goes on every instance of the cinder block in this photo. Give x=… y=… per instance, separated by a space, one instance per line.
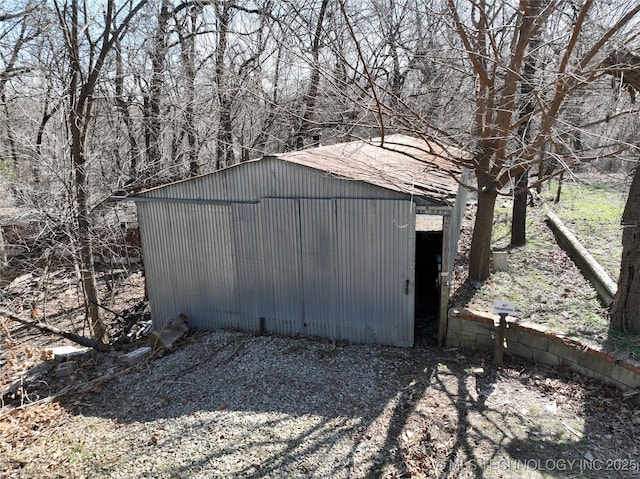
x=519 y=349
x=485 y=342
x=489 y=320
x=595 y=363
x=567 y=352
x=533 y=327
x=512 y=334
x=454 y=323
x=545 y=357
x=625 y=376
x=535 y=340
x=630 y=364
x=600 y=352
x=576 y=367
x=461 y=339
x=476 y=316
x=477 y=327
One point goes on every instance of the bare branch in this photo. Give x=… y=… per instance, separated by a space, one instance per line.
x=47 y=328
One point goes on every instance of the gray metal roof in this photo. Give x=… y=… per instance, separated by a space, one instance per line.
x=401 y=164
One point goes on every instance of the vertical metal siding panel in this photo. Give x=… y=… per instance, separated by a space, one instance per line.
x=402 y=270
x=352 y=276
x=281 y=234
x=366 y=278
x=248 y=266
x=339 y=246
x=179 y=232
x=374 y=261
x=411 y=270
x=214 y=267
x=186 y=223
x=191 y=266
x=175 y=264
x=318 y=260
x=158 y=234
x=165 y=235
x=147 y=221
x=380 y=226
x=264 y=282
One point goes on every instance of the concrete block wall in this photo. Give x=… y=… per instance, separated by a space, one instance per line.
x=471 y=329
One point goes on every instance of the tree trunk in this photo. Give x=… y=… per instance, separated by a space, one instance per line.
x=481 y=240
x=187 y=32
x=80 y=102
x=519 y=217
x=46 y=116
x=123 y=107
x=521 y=193
x=224 y=140
x=154 y=99
x=312 y=94
x=559 y=190
x=10 y=135
x=78 y=160
x=625 y=312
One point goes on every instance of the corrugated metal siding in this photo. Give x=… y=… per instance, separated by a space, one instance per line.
x=269 y=178
x=190 y=262
x=320 y=267
x=282 y=296
x=335 y=268
x=375 y=251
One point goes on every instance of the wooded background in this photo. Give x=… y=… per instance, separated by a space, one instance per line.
x=99 y=97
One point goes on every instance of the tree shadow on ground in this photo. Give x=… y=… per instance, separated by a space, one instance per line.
x=523 y=420
x=464 y=293
x=257 y=406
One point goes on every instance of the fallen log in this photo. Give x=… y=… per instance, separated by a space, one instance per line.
x=76 y=338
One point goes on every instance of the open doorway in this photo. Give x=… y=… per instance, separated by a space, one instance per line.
x=428 y=265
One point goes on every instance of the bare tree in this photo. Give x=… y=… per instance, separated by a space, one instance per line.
x=187 y=31
x=626 y=305
x=88 y=43
x=17 y=30
x=496 y=160
x=123 y=105
x=521 y=183
x=153 y=97
x=311 y=97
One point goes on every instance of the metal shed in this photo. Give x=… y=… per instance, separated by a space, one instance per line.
x=319 y=242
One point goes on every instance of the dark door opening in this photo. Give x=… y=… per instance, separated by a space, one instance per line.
x=427 y=299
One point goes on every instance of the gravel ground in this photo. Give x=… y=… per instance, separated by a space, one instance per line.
x=234 y=405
